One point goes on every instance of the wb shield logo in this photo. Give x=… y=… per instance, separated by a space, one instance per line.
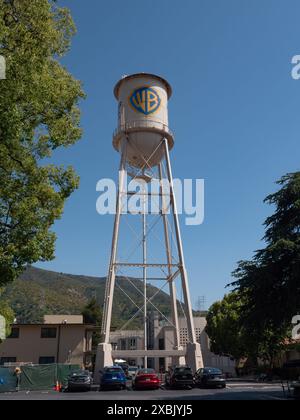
x=145 y=100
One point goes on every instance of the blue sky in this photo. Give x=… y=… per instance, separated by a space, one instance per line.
x=235 y=112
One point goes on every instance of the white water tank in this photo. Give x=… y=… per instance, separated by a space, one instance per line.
x=143 y=118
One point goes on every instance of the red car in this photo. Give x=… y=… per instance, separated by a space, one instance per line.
x=146 y=379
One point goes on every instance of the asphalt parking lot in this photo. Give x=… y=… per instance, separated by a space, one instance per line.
x=252 y=392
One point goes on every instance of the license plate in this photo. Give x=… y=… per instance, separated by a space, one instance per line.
x=184 y=377
x=114 y=378
x=148 y=380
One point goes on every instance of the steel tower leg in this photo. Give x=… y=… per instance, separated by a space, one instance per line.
x=112 y=266
x=194 y=354
x=145 y=279
x=104 y=351
x=172 y=286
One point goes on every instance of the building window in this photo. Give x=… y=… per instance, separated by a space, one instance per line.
x=49 y=333
x=162 y=364
x=7 y=360
x=123 y=344
x=132 y=344
x=46 y=360
x=151 y=363
x=161 y=344
x=15 y=333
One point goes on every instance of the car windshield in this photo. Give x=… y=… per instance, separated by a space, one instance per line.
x=147 y=372
x=113 y=370
x=183 y=370
x=213 y=371
x=81 y=373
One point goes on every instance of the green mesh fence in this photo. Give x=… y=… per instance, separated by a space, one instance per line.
x=8 y=380
x=64 y=371
x=35 y=378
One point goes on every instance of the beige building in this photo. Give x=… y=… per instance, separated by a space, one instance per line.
x=161 y=337
x=60 y=339
x=128 y=340
x=65 y=339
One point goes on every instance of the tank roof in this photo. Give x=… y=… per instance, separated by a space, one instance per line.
x=138 y=75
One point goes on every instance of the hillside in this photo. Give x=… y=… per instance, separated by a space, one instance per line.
x=39 y=292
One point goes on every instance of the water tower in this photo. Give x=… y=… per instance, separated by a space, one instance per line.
x=144 y=140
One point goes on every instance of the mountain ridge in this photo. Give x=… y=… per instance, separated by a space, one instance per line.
x=40 y=292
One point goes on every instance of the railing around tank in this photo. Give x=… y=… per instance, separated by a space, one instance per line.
x=148 y=124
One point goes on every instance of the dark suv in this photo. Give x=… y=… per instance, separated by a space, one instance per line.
x=180 y=377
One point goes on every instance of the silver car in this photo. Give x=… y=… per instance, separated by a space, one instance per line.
x=80 y=381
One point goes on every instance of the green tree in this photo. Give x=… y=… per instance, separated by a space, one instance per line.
x=7 y=313
x=231 y=334
x=92 y=313
x=38 y=114
x=269 y=284
x=271 y=280
x=224 y=328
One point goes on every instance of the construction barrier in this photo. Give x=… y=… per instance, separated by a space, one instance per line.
x=37 y=377
x=7 y=380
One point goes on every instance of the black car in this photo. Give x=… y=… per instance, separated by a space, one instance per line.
x=210 y=377
x=80 y=381
x=180 y=377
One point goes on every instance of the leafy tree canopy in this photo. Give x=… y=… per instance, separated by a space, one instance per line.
x=255 y=319
x=7 y=313
x=224 y=327
x=38 y=114
x=92 y=314
x=270 y=282
x=231 y=336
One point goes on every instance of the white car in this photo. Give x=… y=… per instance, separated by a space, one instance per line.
x=132 y=372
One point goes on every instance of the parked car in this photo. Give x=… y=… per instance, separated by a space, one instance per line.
x=132 y=372
x=180 y=377
x=124 y=366
x=113 y=378
x=80 y=381
x=210 y=377
x=146 y=379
